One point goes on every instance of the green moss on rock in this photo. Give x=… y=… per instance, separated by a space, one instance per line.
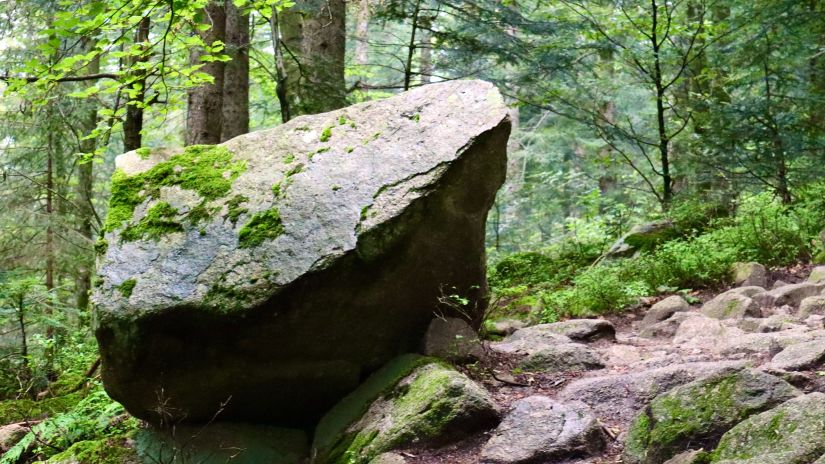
x=127 y=287
x=101 y=246
x=234 y=208
x=698 y=413
x=12 y=411
x=160 y=220
x=208 y=170
x=143 y=153
x=262 y=226
x=411 y=400
x=326 y=134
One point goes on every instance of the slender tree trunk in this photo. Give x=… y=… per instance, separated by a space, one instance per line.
x=133 y=124
x=281 y=84
x=362 y=26
x=661 y=121
x=313 y=34
x=411 y=47
x=205 y=103
x=85 y=182
x=236 y=75
x=425 y=59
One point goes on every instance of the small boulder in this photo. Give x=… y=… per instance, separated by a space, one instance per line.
x=790 y=295
x=539 y=429
x=617 y=397
x=503 y=327
x=113 y=450
x=812 y=305
x=389 y=458
x=791 y=433
x=817 y=275
x=452 y=339
x=664 y=309
x=585 y=330
x=643 y=237
x=698 y=413
x=11 y=434
x=668 y=327
x=410 y=400
x=750 y=274
x=779 y=283
x=563 y=357
x=731 y=305
x=688 y=457
x=800 y=356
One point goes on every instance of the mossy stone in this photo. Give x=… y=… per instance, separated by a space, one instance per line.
x=102 y=451
x=696 y=414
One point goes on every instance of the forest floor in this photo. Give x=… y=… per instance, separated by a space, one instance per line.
x=628 y=354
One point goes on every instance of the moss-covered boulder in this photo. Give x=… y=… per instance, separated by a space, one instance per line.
x=643 y=237
x=792 y=433
x=287 y=264
x=698 y=413
x=410 y=401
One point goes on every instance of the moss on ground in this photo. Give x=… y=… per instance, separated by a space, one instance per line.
x=208 y=170
x=101 y=451
x=12 y=411
x=263 y=226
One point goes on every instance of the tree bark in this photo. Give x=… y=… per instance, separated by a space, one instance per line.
x=314 y=37
x=133 y=124
x=85 y=182
x=236 y=75
x=362 y=25
x=205 y=113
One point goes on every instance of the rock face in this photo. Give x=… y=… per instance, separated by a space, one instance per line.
x=285 y=265
x=452 y=339
x=792 y=433
x=698 y=413
x=539 y=429
x=410 y=400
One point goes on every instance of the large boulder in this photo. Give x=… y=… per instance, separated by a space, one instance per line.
x=643 y=237
x=280 y=267
x=792 y=433
x=411 y=400
x=698 y=413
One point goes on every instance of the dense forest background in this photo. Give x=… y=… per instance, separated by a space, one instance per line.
x=705 y=113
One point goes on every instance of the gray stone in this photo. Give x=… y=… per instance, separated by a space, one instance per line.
x=791 y=295
x=11 y=434
x=812 y=305
x=779 y=283
x=563 y=357
x=389 y=458
x=409 y=401
x=263 y=263
x=792 y=433
x=617 y=397
x=817 y=275
x=503 y=327
x=452 y=339
x=586 y=330
x=698 y=413
x=731 y=305
x=704 y=332
x=800 y=356
x=539 y=429
x=642 y=237
x=665 y=309
x=668 y=327
x=688 y=457
x=750 y=274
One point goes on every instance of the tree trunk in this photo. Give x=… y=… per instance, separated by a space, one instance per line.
x=313 y=33
x=425 y=59
x=236 y=75
x=85 y=182
x=133 y=124
x=362 y=25
x=206 y=101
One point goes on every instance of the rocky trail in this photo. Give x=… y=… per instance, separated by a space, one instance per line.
x=668 y=379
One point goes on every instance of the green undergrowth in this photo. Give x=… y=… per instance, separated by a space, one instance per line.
x=574 y=279
x=208 y=170
x=94 y=416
